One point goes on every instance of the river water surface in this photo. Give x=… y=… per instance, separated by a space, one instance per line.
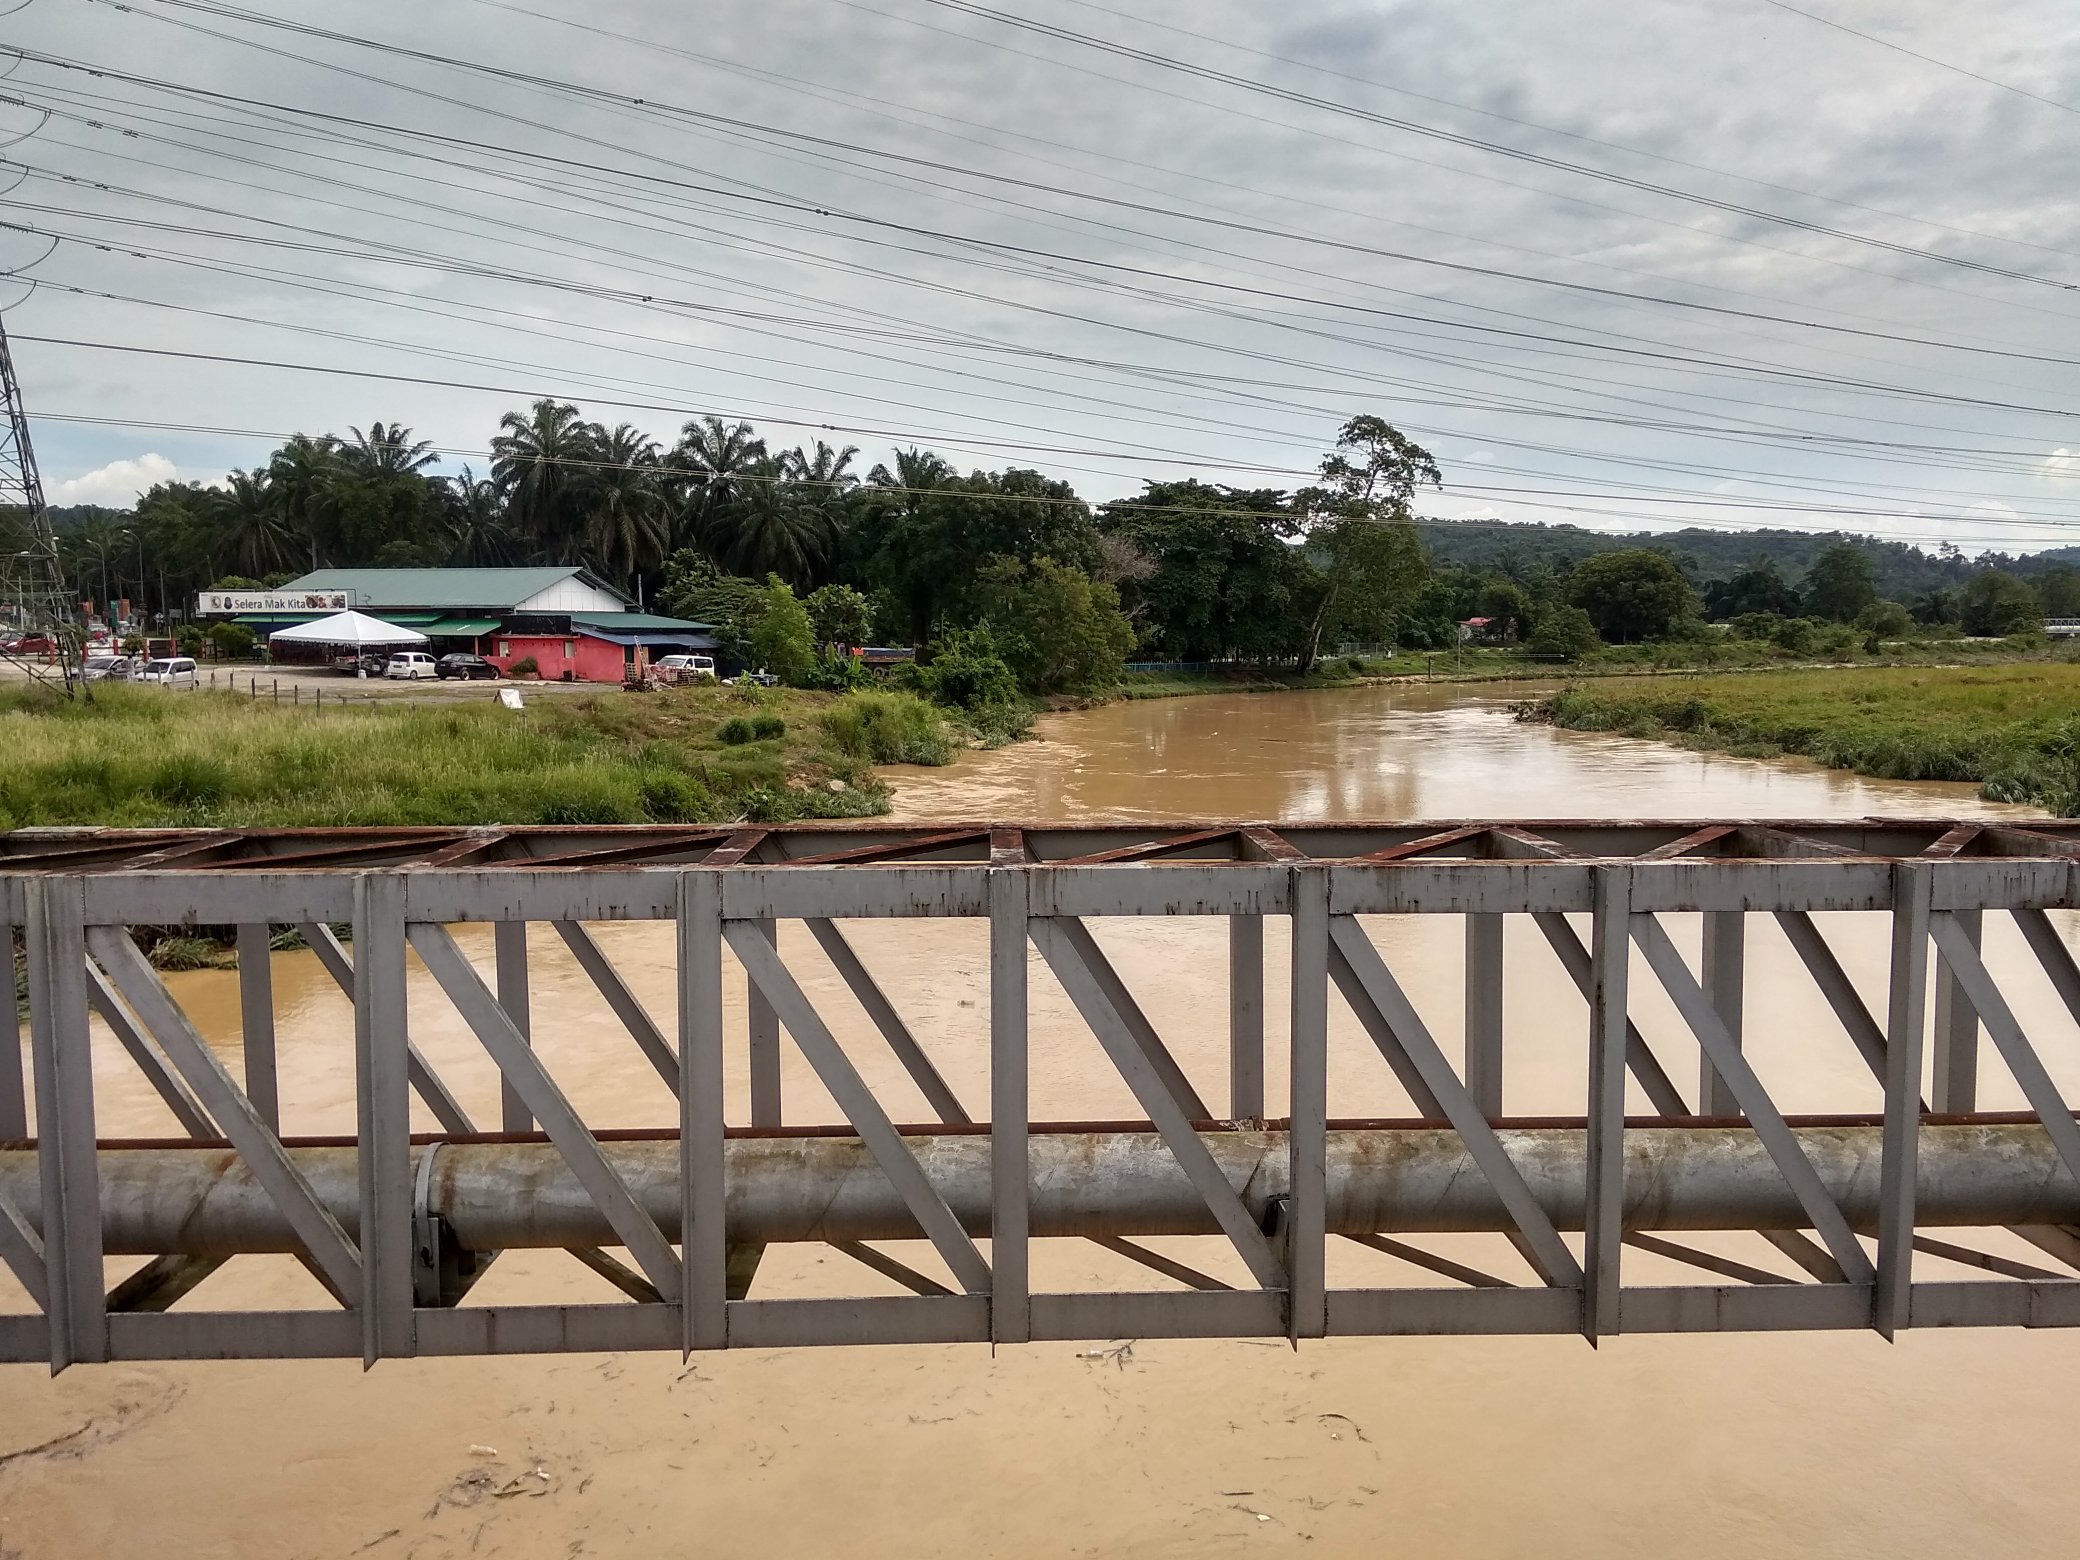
x=1834 y=1445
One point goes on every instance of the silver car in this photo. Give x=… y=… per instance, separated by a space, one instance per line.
x=176 y=671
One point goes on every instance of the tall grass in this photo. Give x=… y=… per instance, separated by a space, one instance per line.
x=140 y=756
x=2015 y=730
x=888 y=728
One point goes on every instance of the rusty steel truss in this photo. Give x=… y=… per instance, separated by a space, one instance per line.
x=398 y=1224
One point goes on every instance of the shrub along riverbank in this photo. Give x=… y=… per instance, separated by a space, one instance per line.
x=138 y=757
x=2014 y=729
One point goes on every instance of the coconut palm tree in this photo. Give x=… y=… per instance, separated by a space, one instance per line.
x=712 y=458
x=247 y=531
x=539 y=463
x=771 y=528
x=386 y=450
x=477 y=522
x=628 y=520
x=302 y=474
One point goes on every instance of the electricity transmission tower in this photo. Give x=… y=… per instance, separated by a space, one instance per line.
x=36 y=608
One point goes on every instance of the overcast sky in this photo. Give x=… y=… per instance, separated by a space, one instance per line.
x=1185 y=240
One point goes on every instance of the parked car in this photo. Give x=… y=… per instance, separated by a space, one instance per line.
x=684 y=668
x=467 y=667
x=175 y=671
x=368 y=665
x=108 y=668
x=411 y=664
x=29 y=644
x=758 y=679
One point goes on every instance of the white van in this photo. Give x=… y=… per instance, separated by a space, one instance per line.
x=176 y=671
x=684 y=668
x=411 y=664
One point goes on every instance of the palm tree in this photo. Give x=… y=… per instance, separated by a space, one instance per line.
x=916 y=473
x=628 y=523
x=477 y=522
x=387 y=450
x=247 y=531
x=770 y=528
x=905 y=525
x=301 y=474
x=713 y=458
x=539 y=462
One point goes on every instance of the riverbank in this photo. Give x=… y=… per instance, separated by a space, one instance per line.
x=1513 y=663
x=2014 y=730
x=139 y=757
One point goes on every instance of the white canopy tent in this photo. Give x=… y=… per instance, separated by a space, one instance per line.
x=347 y=629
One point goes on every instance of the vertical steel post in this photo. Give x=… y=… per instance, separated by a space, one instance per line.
x=1245 y=1018
x=1603 y=1239
x=14 y=1098
x=1307 y=1134
x=763 y=1026
x=64 y=1070
x=703 y=1238
x=1955 y=1086
x=509 y=952
x=383 y=1117
x=1725 y=971
x=1906 y=1007
x=1484 y=1012
x=256 y=1021
x=1009 y=1108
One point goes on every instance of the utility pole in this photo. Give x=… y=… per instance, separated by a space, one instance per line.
x=33 y=592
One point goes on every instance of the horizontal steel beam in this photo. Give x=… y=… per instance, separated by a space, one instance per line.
x=874 y=845
x=496 y=1196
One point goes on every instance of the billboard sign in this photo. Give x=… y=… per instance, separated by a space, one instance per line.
x=218 y=603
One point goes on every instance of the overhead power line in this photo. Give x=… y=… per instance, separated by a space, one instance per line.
x=832 y=214
x=1926 y=59
x=1452 y=137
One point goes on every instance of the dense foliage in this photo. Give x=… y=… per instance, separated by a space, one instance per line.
x=1007 y=583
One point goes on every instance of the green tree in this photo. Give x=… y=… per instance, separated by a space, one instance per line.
x=1840 y=584
x=967 y=671
x=386 y=450
x=1637 y=593
x=231 y=641
x=1995 y=603
x=713 y=458
x=541 y=464
x=1219 y=575
x=770 y=527
x=1059 y=631
x=840 y=615
x=1883 y=620
x=1564 y=633
x=478 y=536
x=782 y=642
x=696 y=590
x=248 y=530
x=2058 y=590
x=1760 y=587
x=1361 y=520
x=302 y=474
x=628 y=518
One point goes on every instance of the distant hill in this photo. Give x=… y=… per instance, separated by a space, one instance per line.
x=1903 y=570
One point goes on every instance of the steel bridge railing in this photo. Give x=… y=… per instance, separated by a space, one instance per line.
x=396 y=1225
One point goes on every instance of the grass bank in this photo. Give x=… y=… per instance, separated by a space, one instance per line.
x=142 y=757
x=2012 y=729
x=1512 y=663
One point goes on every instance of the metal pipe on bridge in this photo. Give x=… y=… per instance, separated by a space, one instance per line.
x=1405 y=1180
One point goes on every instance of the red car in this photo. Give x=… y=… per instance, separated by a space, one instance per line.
x=29 y=644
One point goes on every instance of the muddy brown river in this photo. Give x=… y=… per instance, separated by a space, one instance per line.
x=1829 y=1444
